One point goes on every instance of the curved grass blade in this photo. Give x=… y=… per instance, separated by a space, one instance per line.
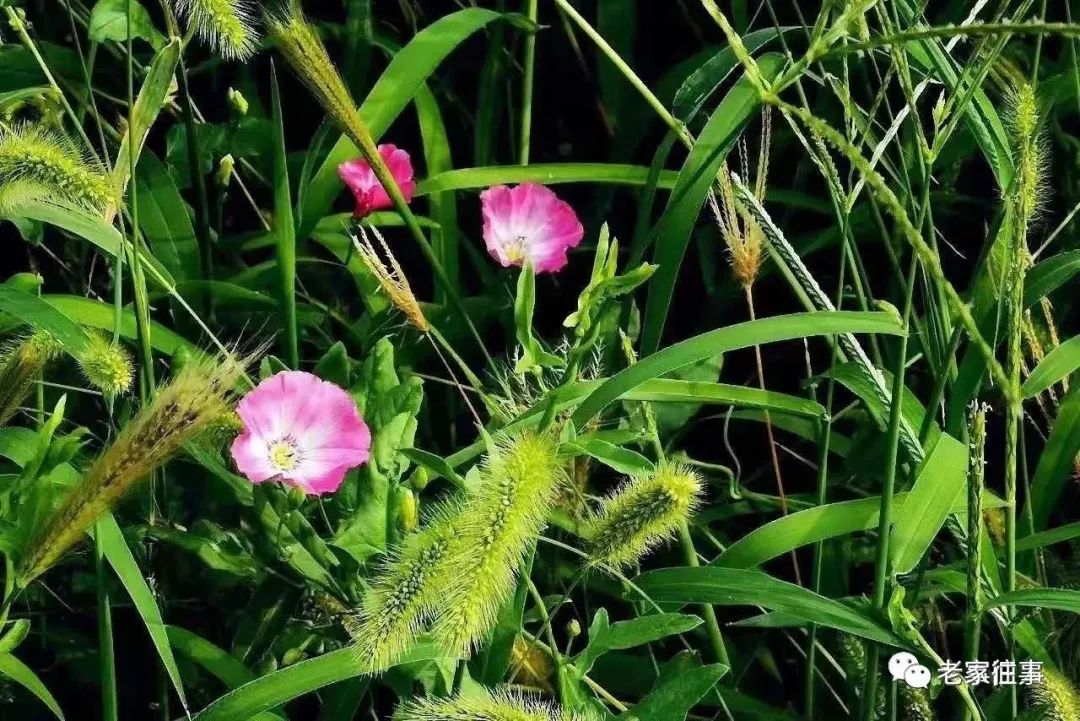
x=696 y=179
x=742 y=335
x=1058 y=364
x=545 y=174
x=21 y=674
x=115 y=548
x=738 y=587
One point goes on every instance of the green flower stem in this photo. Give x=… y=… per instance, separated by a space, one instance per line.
x=528 y=85
x=712 y=625
x=881 y=567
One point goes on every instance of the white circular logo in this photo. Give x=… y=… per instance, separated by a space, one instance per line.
x=900 y=662
x=917 y=676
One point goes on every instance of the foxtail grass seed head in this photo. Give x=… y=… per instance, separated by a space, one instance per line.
x=642 y=514
x=404 y=588
x=497 y=705
x=1055 y=698
x=742 y=234
x=37 y=162
x=197 y=397
x=522 y=478
x=20 y=366
x=107 y=366
x=299 y=42
x=1029 y=151
x=390 y=276
x=227 y=26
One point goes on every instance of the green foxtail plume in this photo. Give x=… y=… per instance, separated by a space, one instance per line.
x=199 y=395
x=37 y=162
x=646 y=511
x=1029 y=152
x=495 y=529
x=1055 y=698
x=497 y=705
x=227 y=26
x=20 y=367
x=395 y=607
x=107 y=366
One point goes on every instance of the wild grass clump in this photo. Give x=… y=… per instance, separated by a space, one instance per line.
x=227 y=26
x=200 y=394
x=20 y=367
x=498 y=523
x=641 y=515
x=496 y=705
x=37 y=162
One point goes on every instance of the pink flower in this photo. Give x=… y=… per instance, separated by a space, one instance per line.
x=529 y=222
x=300 y=430
x=369 y=192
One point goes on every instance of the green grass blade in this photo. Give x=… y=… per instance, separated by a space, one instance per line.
x=284 y=231
x=742 y=335
x=696 y=179
x=738 y=587
x=543 y=173
x=127 y=570
x=1057 y=365
x=21 y=674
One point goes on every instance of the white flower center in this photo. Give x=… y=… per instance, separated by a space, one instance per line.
x=284 y=455
x=515 y=251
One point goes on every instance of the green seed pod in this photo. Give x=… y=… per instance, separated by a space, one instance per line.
x=237 y=102
x=224 y=171
x=641 y=515
x=107 y=366
x=498 y=524
x=408 y=510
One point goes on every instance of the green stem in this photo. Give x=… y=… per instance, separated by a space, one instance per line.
x=976 y=472
x=106 y=651
x=712 y=625
x=528 y=85
x=881 y=567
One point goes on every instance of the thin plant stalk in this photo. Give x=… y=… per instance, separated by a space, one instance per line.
x=881 y=567
x=528 y=85
x=106 y=649
x=712 y=624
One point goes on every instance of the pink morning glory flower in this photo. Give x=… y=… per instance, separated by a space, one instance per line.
x=369 y=192
x=300 y=430
x=529 y=222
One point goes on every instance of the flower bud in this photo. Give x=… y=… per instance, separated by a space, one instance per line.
x=237 y=102
x=409 y=510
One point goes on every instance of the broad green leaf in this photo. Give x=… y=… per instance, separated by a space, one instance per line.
x=98 y=314
x=1049 y=599
x=116 y=551
x=152 y=99
x=672 y=390
x=696 y=179
x=164 y=219
x=543 y=173
x=274 y=689
x=1057 y=365
x=818 y=523
x=742 y=335
x=40 y=314
x=681 y=684
x=1049 y=275
x=21 y=674
x=622 y=635
x=738 y=587
x=217 y=661
x=393 y=91
x=621 y=459
x=937 y=491
x=109 y=21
